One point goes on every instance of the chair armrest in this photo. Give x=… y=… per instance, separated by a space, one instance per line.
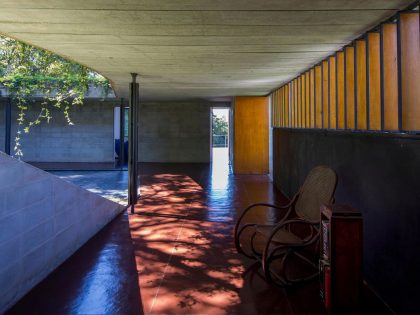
x=286 y=223
x=237 y=229
x=268 y=205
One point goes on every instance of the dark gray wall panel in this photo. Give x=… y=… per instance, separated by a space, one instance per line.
x=378 y=174
x=174 y=132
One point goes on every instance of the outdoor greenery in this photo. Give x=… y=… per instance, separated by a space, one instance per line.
x=220 y=130
x=220 y=126
x=28 y=71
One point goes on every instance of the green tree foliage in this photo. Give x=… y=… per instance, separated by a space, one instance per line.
x=28 y=71
x=220 y=126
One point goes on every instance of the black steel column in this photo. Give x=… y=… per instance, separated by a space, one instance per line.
x=8 y=125
x=121 y=156
x=133 y=143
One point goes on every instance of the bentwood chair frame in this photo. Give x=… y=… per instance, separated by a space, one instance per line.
x=280 y=240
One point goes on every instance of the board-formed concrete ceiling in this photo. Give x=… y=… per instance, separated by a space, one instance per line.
x=194 y=48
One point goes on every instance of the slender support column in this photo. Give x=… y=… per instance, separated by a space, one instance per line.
x=133 y=143
x=8 y=125
x=121 y=156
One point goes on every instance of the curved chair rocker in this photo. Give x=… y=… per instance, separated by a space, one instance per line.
x=295 y=234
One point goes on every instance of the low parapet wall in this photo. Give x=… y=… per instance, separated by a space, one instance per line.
x=43 y=221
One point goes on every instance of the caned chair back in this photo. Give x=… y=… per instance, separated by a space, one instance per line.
x=318 y=189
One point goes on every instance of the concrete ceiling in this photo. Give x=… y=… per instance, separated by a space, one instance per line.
x=194 y=48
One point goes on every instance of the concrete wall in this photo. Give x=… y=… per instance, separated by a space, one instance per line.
x=2 y=124
x=174 y=132
x=380 y=175
x=168 y=132
x=90 y=139
x=43 y=221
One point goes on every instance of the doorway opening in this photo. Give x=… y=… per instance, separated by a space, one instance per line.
x=220 y=137
x=121 y=132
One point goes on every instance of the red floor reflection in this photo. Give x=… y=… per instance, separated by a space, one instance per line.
x=186 y=261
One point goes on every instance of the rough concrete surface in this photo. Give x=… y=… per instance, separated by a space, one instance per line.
x=195 y=48
x=174 y=132
x=89 y=139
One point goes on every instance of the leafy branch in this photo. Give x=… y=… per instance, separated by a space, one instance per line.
x=28 y=71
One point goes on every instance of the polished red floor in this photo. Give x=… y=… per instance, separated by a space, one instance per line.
x=182 y=235
x=180 y=258
x=100 y=278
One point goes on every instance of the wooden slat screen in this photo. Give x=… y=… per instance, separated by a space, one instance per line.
x=350 y=89
x=374 y=81
x=389 y=76
x=332 y=93
x=312 y=97
x=325 y=97
x=410 y=70
x=318 y=97
x=372 y=84
x=307 y=101
x=361 y=93
x=340 y=85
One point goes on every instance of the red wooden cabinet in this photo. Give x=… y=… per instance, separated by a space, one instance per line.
x=341 y=259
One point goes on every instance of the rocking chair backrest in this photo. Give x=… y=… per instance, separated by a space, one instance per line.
x=318 y=189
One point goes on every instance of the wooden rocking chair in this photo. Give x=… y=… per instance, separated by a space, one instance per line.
x=294 y=235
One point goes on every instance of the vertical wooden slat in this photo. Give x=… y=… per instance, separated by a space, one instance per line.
x=287 y=105
x=350 y=92
x=325 y=94
x=308 y=100
x=312 y=97
x=286 y=112
x=295 y=102
x=284 y=105
x=374 y=81
x=318 y=96
x=277 y=107
x=409 y=40
x=273 y=108
x=390 y=76
x=361 y=92
x=299 y=101
x=292 y=104
x=303 y=101
x=333 y=93
x=280 y=106
x=340 y=91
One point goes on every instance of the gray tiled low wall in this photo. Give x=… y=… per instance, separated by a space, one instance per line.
x=43 y=221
